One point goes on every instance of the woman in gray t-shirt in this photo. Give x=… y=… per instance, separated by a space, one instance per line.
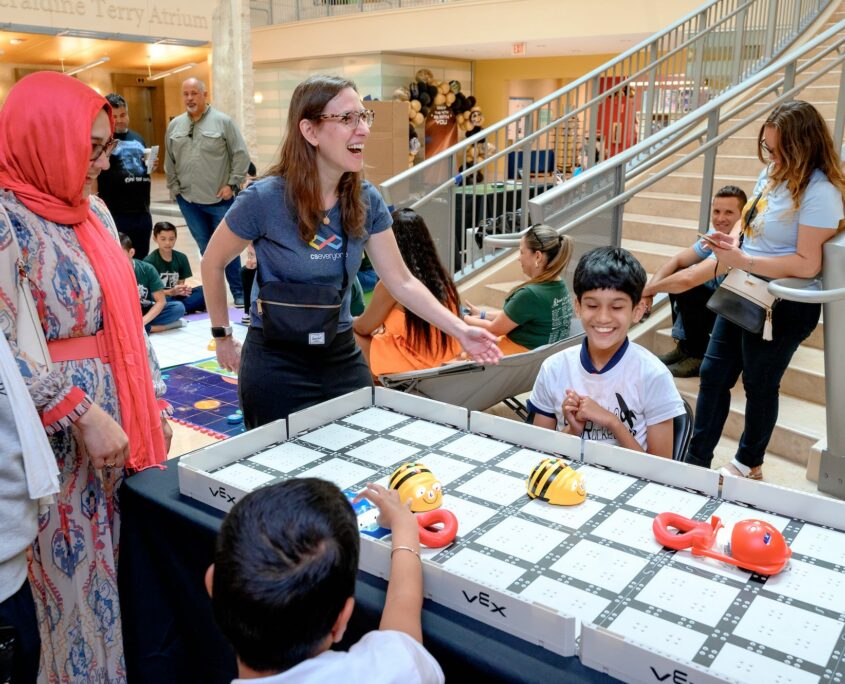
x=310 y=219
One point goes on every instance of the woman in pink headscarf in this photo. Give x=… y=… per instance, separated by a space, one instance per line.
x=92 y=382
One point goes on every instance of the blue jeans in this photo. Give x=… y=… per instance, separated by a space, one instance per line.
x=193 y=302
x=732 y=351
x=172 y=311
x=202 y=219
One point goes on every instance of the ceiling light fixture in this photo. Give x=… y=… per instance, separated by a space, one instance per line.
x=85 y=67
x=170 y=72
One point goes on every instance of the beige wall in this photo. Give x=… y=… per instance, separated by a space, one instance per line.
x=498 y=79
x=484 y=21
x=187 y=19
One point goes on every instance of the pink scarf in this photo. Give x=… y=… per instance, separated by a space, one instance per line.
x=45 y=147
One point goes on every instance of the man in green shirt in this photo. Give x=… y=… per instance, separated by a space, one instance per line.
x=206 y=161
x=158 y=314
x=174 y=268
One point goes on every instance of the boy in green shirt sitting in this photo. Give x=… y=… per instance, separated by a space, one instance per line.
x=158 y=314
x=174 y=268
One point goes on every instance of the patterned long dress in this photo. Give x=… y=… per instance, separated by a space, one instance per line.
x=73 y=572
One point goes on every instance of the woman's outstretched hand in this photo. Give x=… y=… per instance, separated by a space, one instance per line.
x=481 y=345
x=228 y=353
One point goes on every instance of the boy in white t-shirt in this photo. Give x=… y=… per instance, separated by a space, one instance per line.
x=283 y=581
x=608 y=389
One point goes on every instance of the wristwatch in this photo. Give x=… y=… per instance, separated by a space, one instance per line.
x=220 y=331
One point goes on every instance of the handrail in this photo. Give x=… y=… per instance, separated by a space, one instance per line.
x=599 y=116
x=694 y=118
x=806 y=290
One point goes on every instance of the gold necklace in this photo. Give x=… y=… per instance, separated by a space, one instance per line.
x=326 y=219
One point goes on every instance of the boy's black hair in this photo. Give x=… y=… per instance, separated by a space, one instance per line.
x=284 y=566
x=732 y=191
x=609 y=268
x=162 y=226
x=125 y=241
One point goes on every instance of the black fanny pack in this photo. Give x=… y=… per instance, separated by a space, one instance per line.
x=301 y=313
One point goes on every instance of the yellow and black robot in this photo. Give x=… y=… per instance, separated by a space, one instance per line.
x=554 y=481
x=416 y=482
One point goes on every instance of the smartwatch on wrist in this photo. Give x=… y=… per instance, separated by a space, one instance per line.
x=220 y=331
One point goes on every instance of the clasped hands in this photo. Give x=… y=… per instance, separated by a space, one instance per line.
x=579 y=409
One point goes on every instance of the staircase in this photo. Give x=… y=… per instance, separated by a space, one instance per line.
x=662 y=221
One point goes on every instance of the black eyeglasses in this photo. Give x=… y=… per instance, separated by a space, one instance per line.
x=106 y=148
x=352 y=119
x=765 y=147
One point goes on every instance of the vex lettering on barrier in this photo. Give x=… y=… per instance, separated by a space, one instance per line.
x=483 y=599
x=223 y=494
x=678 y=676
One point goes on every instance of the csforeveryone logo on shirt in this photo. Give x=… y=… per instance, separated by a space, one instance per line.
x=327 y=239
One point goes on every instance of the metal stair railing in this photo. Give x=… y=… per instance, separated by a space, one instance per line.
x=589 y=208
x=483 y=185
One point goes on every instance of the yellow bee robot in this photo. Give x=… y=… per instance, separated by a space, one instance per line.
x=553 y=481
x=416 y=482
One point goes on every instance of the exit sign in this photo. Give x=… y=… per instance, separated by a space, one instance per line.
x=518 y=49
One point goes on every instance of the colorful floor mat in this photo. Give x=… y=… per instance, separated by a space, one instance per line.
x=205 y=398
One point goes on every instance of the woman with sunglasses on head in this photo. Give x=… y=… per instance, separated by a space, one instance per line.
x=309 y=219
x=538 y=311
x=797 y=206
x=64 y=280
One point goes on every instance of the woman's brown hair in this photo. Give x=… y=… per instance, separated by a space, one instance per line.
x=805 y=145
x=557 y=248
x=298 y=162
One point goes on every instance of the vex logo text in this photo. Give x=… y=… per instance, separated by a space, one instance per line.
x=677 y=677
x=221 y=493
x=483 y=599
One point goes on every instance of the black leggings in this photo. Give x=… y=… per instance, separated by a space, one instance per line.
x=277 y=379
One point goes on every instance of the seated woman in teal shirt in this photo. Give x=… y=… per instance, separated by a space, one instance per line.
x=539 y=311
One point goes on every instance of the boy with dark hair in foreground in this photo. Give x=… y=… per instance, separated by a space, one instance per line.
x=283 y=581
x=608 y=389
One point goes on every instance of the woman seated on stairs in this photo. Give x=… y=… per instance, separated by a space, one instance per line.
x=393 y=339
x=539 y=311
x=797 y=207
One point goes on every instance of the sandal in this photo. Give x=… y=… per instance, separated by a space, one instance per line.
x=756 y=472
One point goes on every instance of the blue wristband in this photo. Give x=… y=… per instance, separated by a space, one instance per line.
x=482 y=314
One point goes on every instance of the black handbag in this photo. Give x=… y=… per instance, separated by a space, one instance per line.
x=743 y=298
x=301 y=313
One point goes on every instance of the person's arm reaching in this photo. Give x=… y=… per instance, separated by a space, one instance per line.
x=403 y=603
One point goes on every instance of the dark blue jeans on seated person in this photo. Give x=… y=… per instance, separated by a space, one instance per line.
x=172 y=311
x=762 y=364
x=202 y=220
x=193 y=302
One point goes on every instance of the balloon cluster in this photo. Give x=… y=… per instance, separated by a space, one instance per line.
x=424 y=93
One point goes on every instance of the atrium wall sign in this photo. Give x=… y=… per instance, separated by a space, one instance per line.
x=189 y=19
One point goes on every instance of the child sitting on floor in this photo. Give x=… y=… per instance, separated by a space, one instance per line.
x=283 y=581
x=174 y=268
x=158 y=314
x=608 y=389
